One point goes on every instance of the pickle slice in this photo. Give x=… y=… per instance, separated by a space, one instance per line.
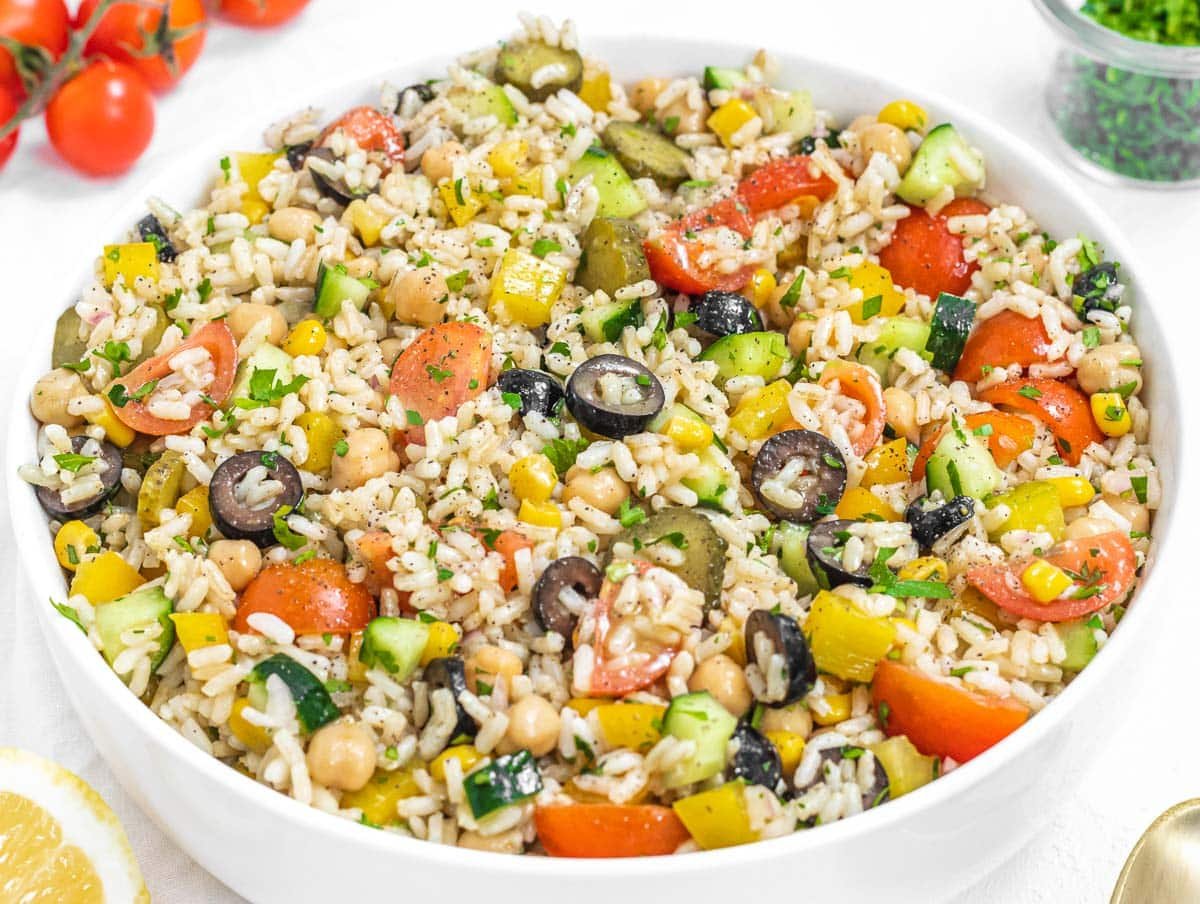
x=646 y=154
x=523 y=64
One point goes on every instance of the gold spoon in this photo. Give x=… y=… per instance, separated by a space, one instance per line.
x=1164 y=865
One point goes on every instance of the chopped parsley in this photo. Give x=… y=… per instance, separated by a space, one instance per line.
x=437 y=374
x=283 y=533
x=629 y=515
x=73 y=461
x=265 y=389
x=340 y=448
x=115 y=353
x=563 y=452
x=1030 y=392
x=414 y=418
x=456 y=281
x=542 y=247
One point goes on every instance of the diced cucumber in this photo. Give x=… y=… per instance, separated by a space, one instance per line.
x=791 y=541
x=895 y=334
x=961 y=465
x=139 y=609
x=786 y=111
x=949 y=328
x=335 y=285
x=938 y=163
x=487 y=101
x=605 y=322
x=761 y=354
x=619 y=197
x=314 y=707
x=678 y=409
x=722 y=77
x=699 y=718
x=709 y=480
x=1079 y=637
x=394 y=644
x=265 y=357
x=504 y=781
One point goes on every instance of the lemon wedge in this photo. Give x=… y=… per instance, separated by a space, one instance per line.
x=59 y=841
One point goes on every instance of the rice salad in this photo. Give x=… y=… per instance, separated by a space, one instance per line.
x=538 y=463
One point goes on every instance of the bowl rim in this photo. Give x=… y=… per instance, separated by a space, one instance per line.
x=1096 y=40
x=68 y=641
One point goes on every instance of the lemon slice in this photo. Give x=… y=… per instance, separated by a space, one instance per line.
x=59 y=841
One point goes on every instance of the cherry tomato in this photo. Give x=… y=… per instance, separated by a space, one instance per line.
x=940 y=718
x=674 y=256
x=314 y=597
x=784 y=180
x=1103 y=568
x=371 y=131
x=217 y=338
x=135 y=34
x=101 y=120
x=444 y=367
x=861 y=384
x=608 y=830
x=34 y=23
x=8 y=107
x=1000 y=341
x=262 y=13
x=508 y=543
x=924 y=255
x=1008 y=435
x=1062 y=408
x=640 y=667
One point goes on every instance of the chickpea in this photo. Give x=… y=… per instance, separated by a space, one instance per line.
x=800 y=334
x=239 y=561
x=342 y=755
x=533 y=723
x=643 y=95
x=509 y=842
x=1105 y=368
x=419 y=296
x=437 y=163
x=390 y=349
x=290 y=223
x=605 y=489
x=50 y=396
x=881 y=138
x=686 y=120
x=369 y=454
x=1087 y=526
x=725 y=680
x=489 y=663
x=361 y=267
x=861 y=123
x=246 y=316
x=901 y=413
x=794 y=718
x=1131 y=510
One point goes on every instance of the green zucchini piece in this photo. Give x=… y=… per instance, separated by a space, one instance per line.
x=605 y=322
x=135 y=610
x=394 y=644
x=961 y=465
x=895 y=333
x=619 y=197
x=791 y=545
x=949 y=328
x=612 y=256
x=647 y=154
x=314 y=707
x=523 y=63
x=489 y=100
x=698 y=718
x=68 y=347
x=1079 y=637
x=703 y=565
x=335 y=285
x=934 y=166
x=505 y=781
x=709 y=480
x=723 y=77
x=761 y=354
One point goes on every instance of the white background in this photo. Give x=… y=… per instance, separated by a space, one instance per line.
x=993 y=56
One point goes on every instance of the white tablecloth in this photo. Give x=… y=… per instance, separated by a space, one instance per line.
x=990 y=55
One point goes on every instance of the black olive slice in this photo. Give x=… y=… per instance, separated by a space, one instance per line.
x=449 y=672
x=330 y=186
x=573 y=572
x=772 y=633
x=1097 y=288
x=539 y=391
x=725 y=314
x=818 y=486
x=826 y=543
x=151 y=230
x=756 y=760
x=421 y=91
x=929 y=525
x=296 y=154
x=833 y=757
x=238 y=521
x=110 y=478
x=641 y=396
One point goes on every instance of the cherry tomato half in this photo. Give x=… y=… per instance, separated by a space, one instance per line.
x=444 y=367
x=924 y=255
x=371 y=131
x=648 y=661
x=1000 y=341
x=134 y=33
x=34 y=23
x=609 y=830
x=8 y=107
x=314 y=597
x=1062 y=408
x=261 y=13
x=1008 y=435
x=861 y=384
x=675 y=254
x=102 y=119
x=784 y=180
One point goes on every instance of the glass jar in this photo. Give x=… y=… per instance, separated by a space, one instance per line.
x=1127 y=111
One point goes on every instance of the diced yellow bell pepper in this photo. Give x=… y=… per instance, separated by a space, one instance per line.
x=197 y=630
x=529 y=183
x=839 y=710
x=880 y=295
x=729 y=118
x=925 y=568
x=356 y=669
x=195 y=503
x=860 y=504
x=308 y=337
x=323 y=434
x=845 y=642
x=687 y=433
x=366 y=222
x=540 y=514
x=737 y=646
x=462 y=203
x=596 y=91
x=791 y=748
x=1073 y=491
x=904 y=114
x=442 y=641
x=1111 y=414
x=253 y=737
x=761 y=411
x=115 y=430
x=378 y=798
x=105 y=578
x=762 y=286
x=253 y=168
x=72 y=541
x=508 y=157
x=525 y=288
x=1033 y=506
x=466 y=755
x=717 y=818
x=1045 y=582
x=907 y=769
x=887 y=464
x=635 y=726
x=130 y=261
x=533 y=477
x=584 y=705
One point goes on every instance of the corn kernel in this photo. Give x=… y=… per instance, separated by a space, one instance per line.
x=1073 y=491
x=525 y=288
x=533 y=477
x=761 y=411
x=596 y=91
x=195 y=503
x=1045 y=582
x=839 y=710
x=253 y=168
x=1111 y=414
x=729 y=118
x=356 y=669
x=130 y=261
x=442 y=641
x=323 y=434
x=507 y=157
x=307 y=337
x=904 y=114
x=105 y=578
x=115 y=430
x=71 y=542
x=687 y=433
x=466 y=755
x=762 y=284
x=926 y=568
x=791 y=748
x=540 y=514
x=880 y=297
x=461 y=201
x=253 y=737
x=366 y=221
x=860 y=504
x=197 y=630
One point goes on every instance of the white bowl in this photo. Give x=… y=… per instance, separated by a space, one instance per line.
x=923 y=847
